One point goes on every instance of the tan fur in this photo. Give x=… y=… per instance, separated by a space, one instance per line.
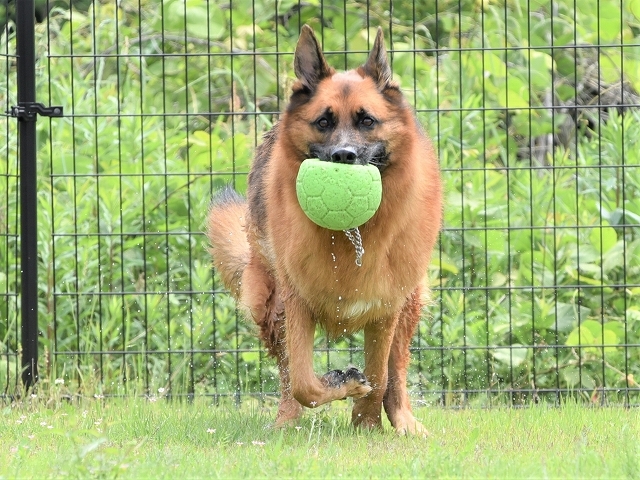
x=229 y=245
x=297 y=275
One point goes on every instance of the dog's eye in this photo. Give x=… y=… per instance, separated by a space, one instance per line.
x=323 y=122
x=367 y=122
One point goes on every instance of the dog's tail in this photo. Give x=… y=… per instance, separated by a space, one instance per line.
x=227 y=236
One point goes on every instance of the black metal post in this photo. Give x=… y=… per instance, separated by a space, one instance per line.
x=25 y=38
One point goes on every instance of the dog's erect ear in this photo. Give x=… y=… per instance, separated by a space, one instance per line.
x=309 y=63
x=377 y=66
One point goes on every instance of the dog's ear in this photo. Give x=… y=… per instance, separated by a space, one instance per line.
x=309 y=63
x=377 y=66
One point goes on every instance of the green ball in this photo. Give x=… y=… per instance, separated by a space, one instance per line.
x=338 y=196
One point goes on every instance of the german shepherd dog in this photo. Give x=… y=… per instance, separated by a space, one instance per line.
x=290 y=275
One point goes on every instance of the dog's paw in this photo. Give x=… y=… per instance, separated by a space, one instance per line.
x=406 y=424
x=414 y=428
x=289 y=412
x=333 y=379
x=355 y=382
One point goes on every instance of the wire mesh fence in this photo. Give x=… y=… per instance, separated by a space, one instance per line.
x=533 y=106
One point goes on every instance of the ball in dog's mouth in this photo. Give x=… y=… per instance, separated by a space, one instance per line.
x=338 y=196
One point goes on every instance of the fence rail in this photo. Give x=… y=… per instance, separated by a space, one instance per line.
x=105 y=281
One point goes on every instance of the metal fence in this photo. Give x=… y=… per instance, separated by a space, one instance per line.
x=105 y=281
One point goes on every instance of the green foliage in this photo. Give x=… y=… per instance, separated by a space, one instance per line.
x=535 y=280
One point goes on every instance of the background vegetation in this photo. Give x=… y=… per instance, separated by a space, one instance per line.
x=536 y=280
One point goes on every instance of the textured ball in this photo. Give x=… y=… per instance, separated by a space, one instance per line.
x=338 y=196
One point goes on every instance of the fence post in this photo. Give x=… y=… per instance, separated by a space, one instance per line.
x=25 y=38
x=26 y=112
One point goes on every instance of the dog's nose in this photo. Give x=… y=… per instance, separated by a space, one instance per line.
x=344 y=155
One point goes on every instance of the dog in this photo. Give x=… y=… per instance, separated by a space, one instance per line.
x=290 y=275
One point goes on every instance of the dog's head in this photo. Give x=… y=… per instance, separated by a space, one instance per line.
x=355 y=117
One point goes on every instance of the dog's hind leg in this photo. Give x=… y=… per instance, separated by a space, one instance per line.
x=378 y=337
x=396 y=398
x=261 y=299
x=289 y=409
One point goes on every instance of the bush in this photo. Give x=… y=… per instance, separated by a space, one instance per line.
x=533 y=281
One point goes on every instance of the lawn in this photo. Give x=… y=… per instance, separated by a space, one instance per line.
x=138 y=438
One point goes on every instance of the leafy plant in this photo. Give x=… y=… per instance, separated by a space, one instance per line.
x=535 y=279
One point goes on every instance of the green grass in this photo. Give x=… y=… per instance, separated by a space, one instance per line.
x=136 y=438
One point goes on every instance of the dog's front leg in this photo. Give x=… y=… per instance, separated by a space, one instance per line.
x=396 y=399
x=308 y=389
x=378 y=337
